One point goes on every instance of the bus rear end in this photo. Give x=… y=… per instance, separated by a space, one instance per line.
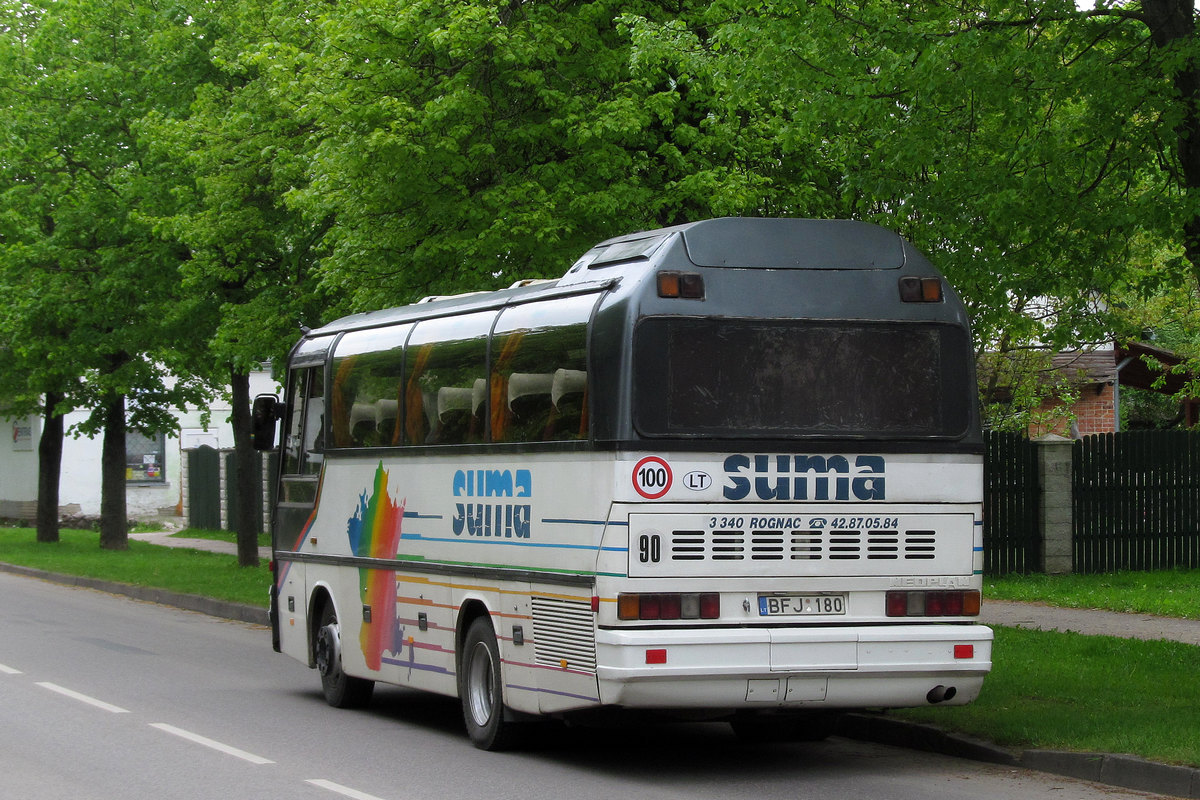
x=797 y=481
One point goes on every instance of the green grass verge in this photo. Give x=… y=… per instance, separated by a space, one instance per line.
x=1170 y=593
x=1084 y=693
x=177 y=569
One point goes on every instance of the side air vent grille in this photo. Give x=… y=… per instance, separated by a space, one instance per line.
x=564 y=632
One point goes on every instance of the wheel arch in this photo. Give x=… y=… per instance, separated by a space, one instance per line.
x=471 y=609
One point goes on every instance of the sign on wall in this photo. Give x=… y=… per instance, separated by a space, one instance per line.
x=22 y=433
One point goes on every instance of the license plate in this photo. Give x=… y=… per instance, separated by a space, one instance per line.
x=781 y=605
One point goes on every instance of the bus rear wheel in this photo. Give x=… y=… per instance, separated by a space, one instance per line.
x=481 y=689
x=341 y=690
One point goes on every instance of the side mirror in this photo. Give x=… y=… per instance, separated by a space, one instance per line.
x=266 y=411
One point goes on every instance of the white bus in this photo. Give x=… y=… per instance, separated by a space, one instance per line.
x=731 y=468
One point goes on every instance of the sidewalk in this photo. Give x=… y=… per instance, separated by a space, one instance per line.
x=166 y=539
x=1089 y=621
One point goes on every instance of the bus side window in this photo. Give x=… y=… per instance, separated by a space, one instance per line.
x=314 y=422
x=294 y=428
x=367 y=387
x=539 y=371
x=305 y=418
x=445 y=381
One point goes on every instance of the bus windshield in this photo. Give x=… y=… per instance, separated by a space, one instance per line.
x=837 y=379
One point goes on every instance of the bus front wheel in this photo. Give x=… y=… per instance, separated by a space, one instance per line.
x=481 y=689
x=341 y=690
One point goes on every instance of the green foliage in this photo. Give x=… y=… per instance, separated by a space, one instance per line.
x=1022 y=390
x=92 y=308
x=1021 y=157
x=205 y=175
x=465 y=146
x=250 y=259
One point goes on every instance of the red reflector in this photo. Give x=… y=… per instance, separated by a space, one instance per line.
x=964 y=651
x=670 y=606
x=710 y=606
x=656 y=656
x=897 y=604
x=595 y=604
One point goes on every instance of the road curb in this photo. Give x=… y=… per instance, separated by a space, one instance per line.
x=1124 y=771
x=188 y=602
x=916 y=736
x=1129 y=772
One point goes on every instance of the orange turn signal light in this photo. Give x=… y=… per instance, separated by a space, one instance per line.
x=688 y=285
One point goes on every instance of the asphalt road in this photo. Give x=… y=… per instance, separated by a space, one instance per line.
x=105 y=697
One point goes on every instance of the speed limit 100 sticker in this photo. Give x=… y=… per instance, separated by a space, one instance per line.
x=652 y=477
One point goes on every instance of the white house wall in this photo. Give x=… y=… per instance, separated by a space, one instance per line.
x=18 y=459
x=80 y=483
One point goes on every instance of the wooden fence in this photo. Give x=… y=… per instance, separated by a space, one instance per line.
x=1136 y=501
x=1011 y=537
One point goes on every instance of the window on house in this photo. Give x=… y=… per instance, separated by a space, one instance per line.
x=145 y=457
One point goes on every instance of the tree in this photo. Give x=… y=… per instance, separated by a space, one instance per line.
x=249 y=255
x=468 y=145
x=81 y=178
x=1026 y=147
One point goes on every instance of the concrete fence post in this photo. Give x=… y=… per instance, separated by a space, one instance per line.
x=1055 y=513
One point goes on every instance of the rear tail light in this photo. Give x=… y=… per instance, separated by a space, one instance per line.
x=668 y=606
x=920 y=290
x=688 y=285
x=933 y=604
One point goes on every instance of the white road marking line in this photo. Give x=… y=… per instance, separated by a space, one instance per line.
x=83 y=698
x=212 y=743
x=10 y=670
x=345 y=791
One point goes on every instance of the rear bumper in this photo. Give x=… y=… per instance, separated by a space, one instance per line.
x=850 y=667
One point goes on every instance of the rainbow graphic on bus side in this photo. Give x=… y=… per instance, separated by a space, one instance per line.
x=374 y=532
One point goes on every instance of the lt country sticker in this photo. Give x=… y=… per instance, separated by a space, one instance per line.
x=652 y=477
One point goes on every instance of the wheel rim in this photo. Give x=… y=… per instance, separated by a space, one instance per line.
x=480 y=687
x=328 y=657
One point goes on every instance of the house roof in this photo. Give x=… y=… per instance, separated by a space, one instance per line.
x=1125 y=364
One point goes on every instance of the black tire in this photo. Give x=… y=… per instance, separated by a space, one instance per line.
x=814 y=726
x=341 y=690
x=481 y=689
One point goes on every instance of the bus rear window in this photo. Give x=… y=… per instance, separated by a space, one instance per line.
x=735 y=378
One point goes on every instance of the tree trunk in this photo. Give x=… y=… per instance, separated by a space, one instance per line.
x=245 y=516
x=50 y=447
x=114 y=528
x=1172 y=22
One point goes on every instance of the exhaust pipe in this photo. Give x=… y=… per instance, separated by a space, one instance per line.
x=940 y=694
